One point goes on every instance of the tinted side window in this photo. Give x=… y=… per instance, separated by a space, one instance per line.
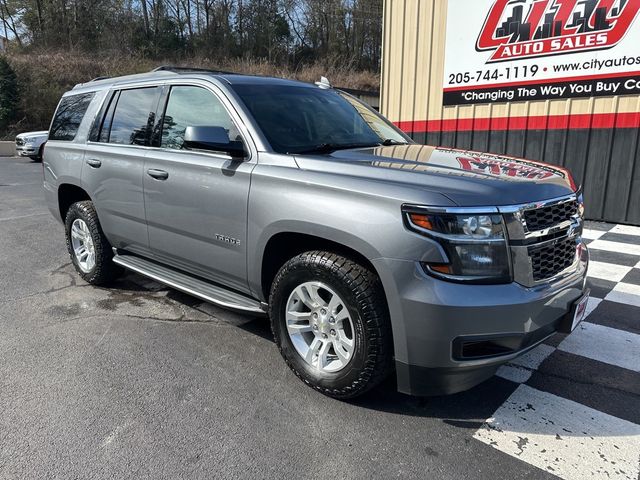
x=105 y=129
x=133 y=116
x=69 y=116
x=191 y=107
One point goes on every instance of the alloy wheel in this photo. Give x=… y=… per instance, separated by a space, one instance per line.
x=83 y=246
x=320 y=326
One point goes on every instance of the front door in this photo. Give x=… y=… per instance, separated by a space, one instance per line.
x=196 y=201
x=114 y=163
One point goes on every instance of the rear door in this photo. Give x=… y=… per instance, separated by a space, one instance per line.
x=114 y=165
x=196 y=201
x=67 y=143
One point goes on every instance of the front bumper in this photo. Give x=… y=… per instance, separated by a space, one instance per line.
x=26 y=151
x=449 y=337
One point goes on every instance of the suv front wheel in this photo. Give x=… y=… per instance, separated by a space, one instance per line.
x=330 y=320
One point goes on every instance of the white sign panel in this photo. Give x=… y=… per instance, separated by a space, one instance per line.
x=518 y=50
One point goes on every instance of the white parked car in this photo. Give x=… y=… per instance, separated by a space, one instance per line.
x=31 y=144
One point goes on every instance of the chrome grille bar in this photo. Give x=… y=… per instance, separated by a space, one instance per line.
x=543 y=238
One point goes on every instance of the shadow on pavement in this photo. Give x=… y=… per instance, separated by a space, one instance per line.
x=463 y=410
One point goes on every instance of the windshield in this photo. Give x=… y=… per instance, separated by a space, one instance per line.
x=315 y=120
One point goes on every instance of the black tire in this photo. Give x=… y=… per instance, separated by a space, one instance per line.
x=104 y=270
x=362 y=292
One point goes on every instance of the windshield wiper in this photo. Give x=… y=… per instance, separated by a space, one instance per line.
x=332 y=147
x=390 y=141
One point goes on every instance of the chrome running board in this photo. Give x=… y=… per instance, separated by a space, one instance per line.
x=188 y=284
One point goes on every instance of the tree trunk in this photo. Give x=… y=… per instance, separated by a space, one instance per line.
x=145 y=17
x=8 y=20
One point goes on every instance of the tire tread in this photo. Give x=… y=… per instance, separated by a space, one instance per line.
x=105 y=270
x=372 y=305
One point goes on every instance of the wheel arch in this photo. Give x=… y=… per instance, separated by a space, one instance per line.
x=282 y=246
x=68 y=194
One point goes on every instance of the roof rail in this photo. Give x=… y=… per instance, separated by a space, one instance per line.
x=98 y=78
x=172 y=68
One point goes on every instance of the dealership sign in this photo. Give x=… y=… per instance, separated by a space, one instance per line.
x=518 y=50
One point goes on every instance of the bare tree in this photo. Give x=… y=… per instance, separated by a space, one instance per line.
x=281 y=31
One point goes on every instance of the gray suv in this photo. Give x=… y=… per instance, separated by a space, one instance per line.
x=369 y=253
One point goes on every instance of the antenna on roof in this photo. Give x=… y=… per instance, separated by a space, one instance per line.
x=324 y=83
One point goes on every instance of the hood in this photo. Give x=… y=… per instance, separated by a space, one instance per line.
x=40 y=133
x=468 y=178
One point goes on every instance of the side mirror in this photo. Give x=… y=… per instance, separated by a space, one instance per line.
x=213 y=138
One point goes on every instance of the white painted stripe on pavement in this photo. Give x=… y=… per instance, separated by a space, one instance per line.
x=592 y=234
x=607 y=271
x=626 y=230
x=592 y=303
x=563 y=437
x=630 y=248
x=520 y=369
x=604 y=344
x=625 y=293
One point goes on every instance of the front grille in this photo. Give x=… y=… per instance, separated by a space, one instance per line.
x=550 y=216
x=19 y=141
x=549 y=260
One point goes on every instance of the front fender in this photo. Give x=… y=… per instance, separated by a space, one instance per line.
x=359 y=214
x=256 y=250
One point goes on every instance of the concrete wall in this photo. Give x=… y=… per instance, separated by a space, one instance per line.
x=7 y=149
x=596 y=138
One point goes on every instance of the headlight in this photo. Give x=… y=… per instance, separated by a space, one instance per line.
x=475 y=244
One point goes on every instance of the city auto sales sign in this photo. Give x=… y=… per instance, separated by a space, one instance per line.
x=518 y=50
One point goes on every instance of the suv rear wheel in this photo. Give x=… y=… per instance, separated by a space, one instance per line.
x=331 y=323
x=89 y=249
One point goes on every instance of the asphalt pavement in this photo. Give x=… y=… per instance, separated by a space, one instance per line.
x=141 y=381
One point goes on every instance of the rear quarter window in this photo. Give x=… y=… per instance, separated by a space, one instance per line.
x=68 y=116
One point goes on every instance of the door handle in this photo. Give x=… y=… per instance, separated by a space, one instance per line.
x=158 y=174
x=94 y=163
